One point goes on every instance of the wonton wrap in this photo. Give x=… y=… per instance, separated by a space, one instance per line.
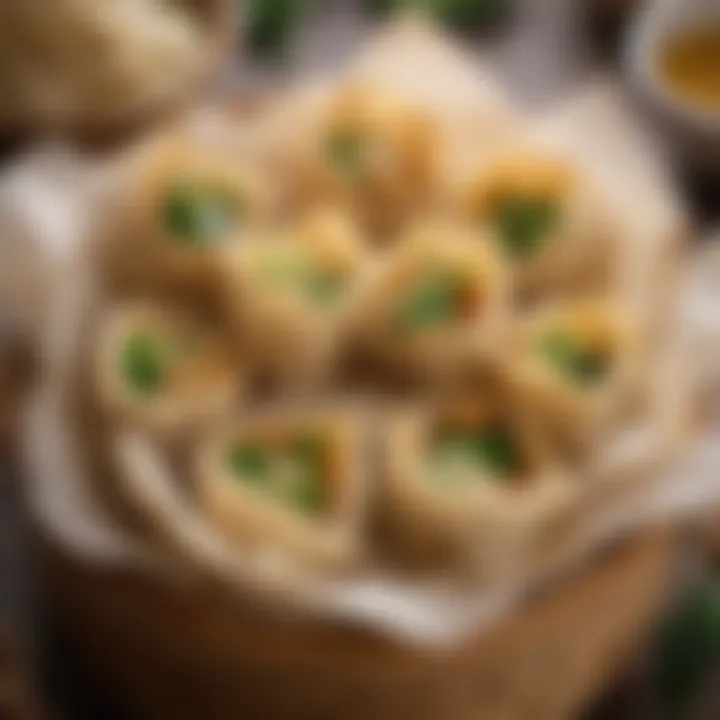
x=292 y=482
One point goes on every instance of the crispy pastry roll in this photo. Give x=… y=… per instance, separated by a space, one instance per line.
x=179 y=206
x=373 y=152
x=292 y=482
x=574 y=362
x=290 y=295
x=162 y=370
x=437 y=301
x=548 y=218
x=468 y=473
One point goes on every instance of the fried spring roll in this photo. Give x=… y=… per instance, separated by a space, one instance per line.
x=370 y=151
x=548 y=218
x=180 y=205
x=162 y=371
x=291 y=482
x=574 y=362
x=467 y=476
x=437 y=302
x=290 y=295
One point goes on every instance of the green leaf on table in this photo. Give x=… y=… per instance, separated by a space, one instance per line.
x=689 y=646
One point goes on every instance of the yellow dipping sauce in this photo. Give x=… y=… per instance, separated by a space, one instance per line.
x=690 y=64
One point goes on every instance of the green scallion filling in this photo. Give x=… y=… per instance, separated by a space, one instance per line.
x=524 y=223
x=435 y=300
x=194 y=214
x=143 y=364
x=292 y=475
x=459 y=456
x=566 y=352
x=344 y=150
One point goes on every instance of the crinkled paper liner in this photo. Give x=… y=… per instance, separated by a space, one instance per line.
x=47 y=198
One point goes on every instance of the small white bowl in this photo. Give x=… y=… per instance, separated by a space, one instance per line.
x=694 y=131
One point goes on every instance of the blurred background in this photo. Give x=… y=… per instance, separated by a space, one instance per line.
x=543 y=50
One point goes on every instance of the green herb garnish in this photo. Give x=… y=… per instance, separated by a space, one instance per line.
x=344 y=150
x=461 y=454
x=292 y=475
x=325 y=287
x=250 y=464
x=309 y=491
x=432 y=301
x=567 y=354
x=289 y=269
x=197 y=215
x=142 y=363
x=525 y=223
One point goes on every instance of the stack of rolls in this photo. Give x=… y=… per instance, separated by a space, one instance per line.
x=363 y=354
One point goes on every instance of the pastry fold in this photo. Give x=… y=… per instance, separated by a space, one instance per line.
x=291 y=481
x=436 y=303
x=375 y=153
x=574 y=364
x=163 y=371
x=289 y=296
x=180 y=204
x=549 y=219
x=469 y=475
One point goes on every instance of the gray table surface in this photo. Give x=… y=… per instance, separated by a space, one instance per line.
x=543 y=54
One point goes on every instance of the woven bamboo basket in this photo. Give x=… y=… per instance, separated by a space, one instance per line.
x=168 y=653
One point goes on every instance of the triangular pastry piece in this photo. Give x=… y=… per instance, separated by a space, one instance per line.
x=573 y=363
x=436 y=302
x=163 y=371
x=467 y=474
x=547 y=216
x=179 y=207
x=292 y=482
x=370 y=150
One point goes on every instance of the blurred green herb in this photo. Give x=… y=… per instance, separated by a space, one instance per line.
x=491 y=448
x=463 y=14
x=524 y=223
x=566 y=352
x=270 y=24
x=142 y=363
x=431 y=302
x=689 y=648
x=197 y=215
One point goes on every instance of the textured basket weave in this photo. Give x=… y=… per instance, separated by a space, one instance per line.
x=166 y=652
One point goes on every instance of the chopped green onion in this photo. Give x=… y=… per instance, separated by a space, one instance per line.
x=432 y=301
x=309 y=492
x=325 y=287
x=525 y=223
x=142 y=363
x=566 y=353
x=289 y=269
x=345 y=150
x=250 y=464
x=470 y=453
x=197 y=215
